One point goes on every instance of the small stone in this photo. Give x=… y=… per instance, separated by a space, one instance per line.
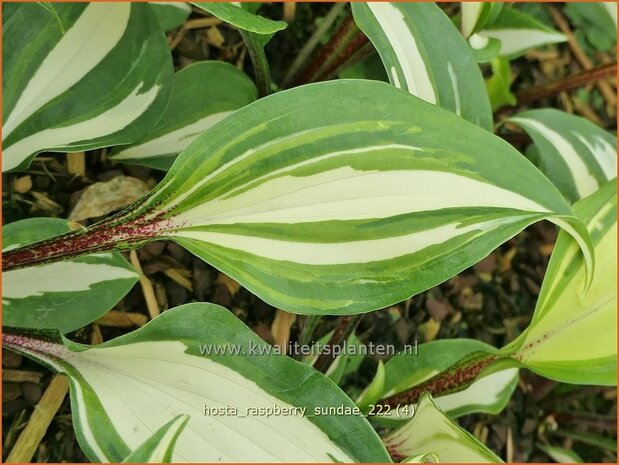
x=222 y=296
x=438 y=309
x=10 y=391
x=22 y=184
x=42 y=182
x=11 y=359
x=202 y=279
x=177 y=294
x=153 y=249
x=13 y=407
x=487 y=265
x=31 y=392
x=178 y=253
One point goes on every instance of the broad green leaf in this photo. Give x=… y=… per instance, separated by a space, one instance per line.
x=340 y=211
x=368 y=68
x=477 y=15
x=489 y=394
x=203 y=94
x=170 y=15
x=611 y=8
x=484 y=50
x=64 y=295
x=560 y=454
x=240 y=17
x=573 y=337
x=430 y=431
x=519 y=32
x=122 y=391
x=499 y=84
x=575 y=154
x=94 y=75
x=373 y=390
x=160 y=446
x=424 y=53
x=597 y=21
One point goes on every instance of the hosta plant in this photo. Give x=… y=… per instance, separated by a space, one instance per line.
x=333 y=198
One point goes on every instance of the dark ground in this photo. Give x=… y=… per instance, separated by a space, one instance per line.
x=493 y=301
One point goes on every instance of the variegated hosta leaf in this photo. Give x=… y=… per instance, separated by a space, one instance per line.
x=97 y=74
x=477 y=15
x=424 y=53
x=611 y=9
x=499 y=83
x=519 y=32
x=239 y=15
x=340 y=211
x=489 y=393
x=431 y=431
x=575 y=154
x=203 y=94
x=170 y=14
x=573 y=337
x=194 y=360
x=596 y=21
x=423 y=458
x=64 y=295
x=160 y=446
x=345 y=211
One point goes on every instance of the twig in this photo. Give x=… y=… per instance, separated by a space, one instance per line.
x=588 y=420
x=346 y=41
x=280 y=328
x=175 y=275
x=147 y=287
x=21 y=376
x=314 y=40
x=76 y=163
x=358 y=49
x=570 y=82
x=345 y=327
x=290 y=9
x=117 y=319
x=96 y=337
x=509 y=446
x=26 y=445
x=582 y=58
x=173 y=43
x=202 y=22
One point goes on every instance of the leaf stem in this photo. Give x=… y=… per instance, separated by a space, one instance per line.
x=570 y=82
x=456 y=378
x=310 y=45
x=346 y=325
x=345 y=42
x=120 y=232
x=259 y=60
